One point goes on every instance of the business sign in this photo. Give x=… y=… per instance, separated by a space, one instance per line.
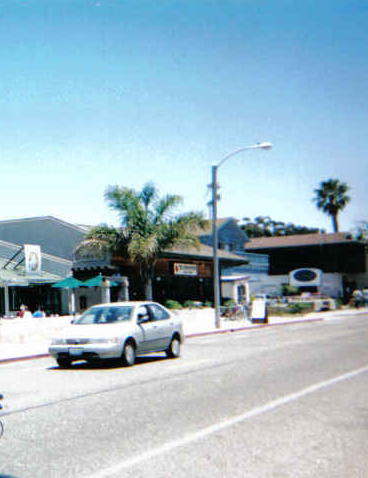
x=185 y=269
x=32 y=255
x=258 y=312
x=305 y=277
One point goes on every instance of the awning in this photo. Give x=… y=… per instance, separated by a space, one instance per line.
x=19 y=278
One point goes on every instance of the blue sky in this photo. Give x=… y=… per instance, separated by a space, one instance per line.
x=102 y=92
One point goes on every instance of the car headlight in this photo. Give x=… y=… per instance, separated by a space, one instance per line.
x=107 y=340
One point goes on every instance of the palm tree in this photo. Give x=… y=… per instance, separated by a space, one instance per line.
x=149 y=226
x=331 y=198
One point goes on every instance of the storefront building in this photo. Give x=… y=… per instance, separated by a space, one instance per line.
x=180 y=274
x=331 y=264
x=26 y=277
x=34 y=254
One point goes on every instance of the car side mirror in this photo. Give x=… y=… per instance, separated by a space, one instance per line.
x=141 y=318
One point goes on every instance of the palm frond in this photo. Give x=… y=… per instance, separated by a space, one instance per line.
x=165 y=207
x=142 y=249
x=148 y=194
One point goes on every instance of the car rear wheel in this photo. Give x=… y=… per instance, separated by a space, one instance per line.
x=129 y=354
x=64 y=362
x=174 y=348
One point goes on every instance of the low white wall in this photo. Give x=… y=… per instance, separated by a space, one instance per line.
x=267 y=284
x=331 y=284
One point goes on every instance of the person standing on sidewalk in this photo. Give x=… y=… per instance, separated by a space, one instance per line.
x=358 y=298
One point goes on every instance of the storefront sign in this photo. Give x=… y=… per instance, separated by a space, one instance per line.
x=305 y=277
x=185 y=269
x=32 y=255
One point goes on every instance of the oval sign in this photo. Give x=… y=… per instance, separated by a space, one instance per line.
x=305 y=275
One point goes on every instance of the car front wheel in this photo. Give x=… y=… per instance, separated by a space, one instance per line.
x=128 y=355
x=64 y=362
x=174 y=348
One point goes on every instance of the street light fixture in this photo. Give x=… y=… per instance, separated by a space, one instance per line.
x=214 y=187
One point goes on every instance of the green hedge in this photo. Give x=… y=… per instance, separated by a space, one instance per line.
x=189 y=304
x=173 y=304
x=296 y=308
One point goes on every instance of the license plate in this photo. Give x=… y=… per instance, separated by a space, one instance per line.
x=75 y=351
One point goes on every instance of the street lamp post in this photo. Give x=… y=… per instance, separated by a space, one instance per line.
x=214 y=187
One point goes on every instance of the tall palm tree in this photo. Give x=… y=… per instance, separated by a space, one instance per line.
x=149 y=226
x=331 y=198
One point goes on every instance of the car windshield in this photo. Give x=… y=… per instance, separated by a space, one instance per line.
x=105 y=315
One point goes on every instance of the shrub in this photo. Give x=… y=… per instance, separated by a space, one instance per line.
x=289 y=290
x=229 y=303
x=190 y=304
x=297 y=308
x=193 y=304
x=339 y=303
x=300 y=308
x=173 y=304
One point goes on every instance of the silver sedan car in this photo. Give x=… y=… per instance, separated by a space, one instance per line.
x=119 y=330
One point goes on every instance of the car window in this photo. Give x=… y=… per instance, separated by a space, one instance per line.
x=143 y=313
x=158 y=313
x=105 y=315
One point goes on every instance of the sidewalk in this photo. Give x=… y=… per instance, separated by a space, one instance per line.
x=22 y=339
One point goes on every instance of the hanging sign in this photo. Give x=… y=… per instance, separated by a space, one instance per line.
x=32 y=255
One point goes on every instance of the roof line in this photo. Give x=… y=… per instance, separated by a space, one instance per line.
x=44 y=218
x=304 y=240
x=12 y=245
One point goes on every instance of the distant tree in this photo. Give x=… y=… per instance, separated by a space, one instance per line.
x=264 y=226
x=149 y=226
x=361 y=231
x=331 y=198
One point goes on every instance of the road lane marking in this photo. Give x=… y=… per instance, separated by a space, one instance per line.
x=217 y=427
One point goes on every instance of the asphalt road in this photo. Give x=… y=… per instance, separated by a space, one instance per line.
x=285 y=401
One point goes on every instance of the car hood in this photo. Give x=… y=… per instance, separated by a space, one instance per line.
x=95 y=330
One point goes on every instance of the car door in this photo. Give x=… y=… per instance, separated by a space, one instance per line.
x=165 y=325
x=150 y=330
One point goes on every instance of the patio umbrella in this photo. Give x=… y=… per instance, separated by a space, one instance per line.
x=97 y=282
x=69 y=283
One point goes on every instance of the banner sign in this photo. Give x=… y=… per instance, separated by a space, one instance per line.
x=32 y=255
x=185 y=269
